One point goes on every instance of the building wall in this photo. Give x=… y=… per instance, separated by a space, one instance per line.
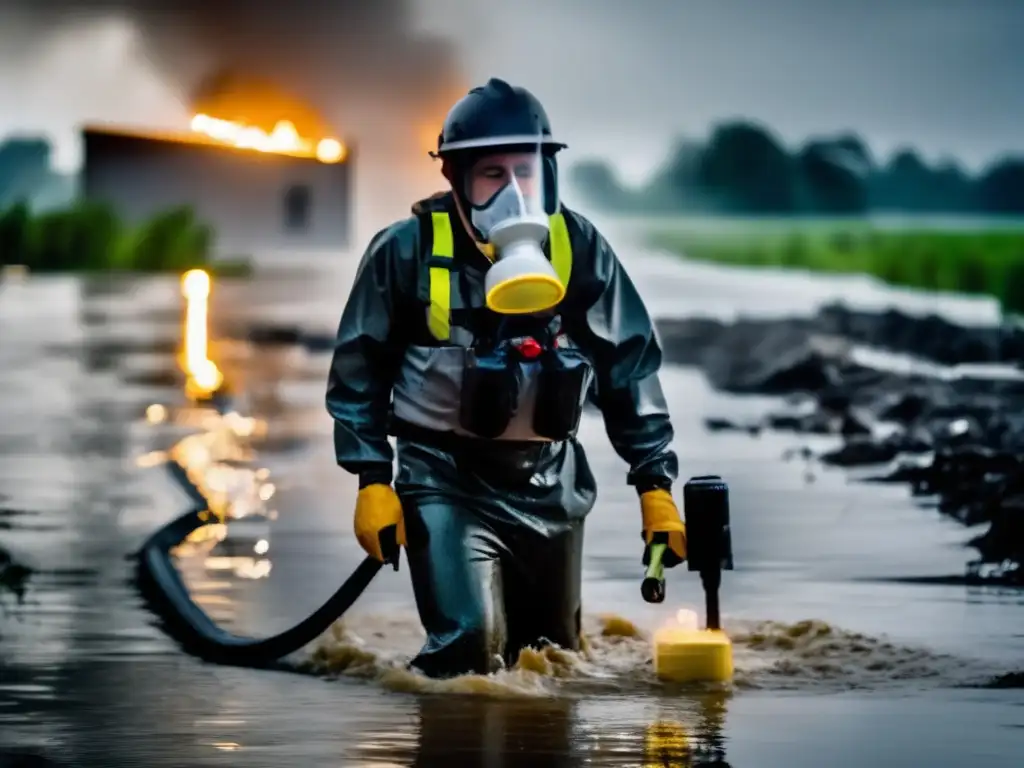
x=243 y=195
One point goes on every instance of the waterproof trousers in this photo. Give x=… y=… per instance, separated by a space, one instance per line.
x=494 y=538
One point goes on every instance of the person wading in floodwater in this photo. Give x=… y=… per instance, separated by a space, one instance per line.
x=474 y=332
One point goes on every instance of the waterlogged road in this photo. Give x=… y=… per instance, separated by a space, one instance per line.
x=885 y=673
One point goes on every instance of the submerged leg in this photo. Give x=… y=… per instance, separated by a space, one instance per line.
x=543 y=591
x=454 y=565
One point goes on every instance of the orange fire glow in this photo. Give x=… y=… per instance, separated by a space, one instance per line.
x=284 y=139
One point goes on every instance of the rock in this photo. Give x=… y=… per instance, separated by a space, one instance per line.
x=853 y=423
x=902 y=407
x=725 y=425
x=929 y=337
x=783 y=361
x=1008 y=680
x=860 y=450
x=687 y=341
x=814 y=423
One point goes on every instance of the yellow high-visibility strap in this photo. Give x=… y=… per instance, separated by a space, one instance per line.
x=440 y=277
x=444 y=251
x=561 y=248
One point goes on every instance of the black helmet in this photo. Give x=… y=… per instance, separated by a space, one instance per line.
x=493 y=117
x=496 y=115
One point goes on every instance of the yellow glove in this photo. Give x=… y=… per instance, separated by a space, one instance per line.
x=377 y=509
x=661 y=516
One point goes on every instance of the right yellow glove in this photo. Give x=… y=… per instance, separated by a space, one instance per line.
x=377 y=509
x=661 y=516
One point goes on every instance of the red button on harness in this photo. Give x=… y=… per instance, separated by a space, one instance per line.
x=529 y=348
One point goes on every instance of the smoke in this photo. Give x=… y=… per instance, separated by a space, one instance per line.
x=374 y=78
x=339 y=54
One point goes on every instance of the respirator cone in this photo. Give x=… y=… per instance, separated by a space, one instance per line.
x=522 y=280
x=513 y=218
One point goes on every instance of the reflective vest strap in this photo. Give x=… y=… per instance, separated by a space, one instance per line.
x=440 y=277
x=561 y=248
x=439 y=318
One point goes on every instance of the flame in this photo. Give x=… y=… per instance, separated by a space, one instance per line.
x=204 y=378
x=284 y=139
x=686 y=619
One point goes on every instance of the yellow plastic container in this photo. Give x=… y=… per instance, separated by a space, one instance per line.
x=691 y=655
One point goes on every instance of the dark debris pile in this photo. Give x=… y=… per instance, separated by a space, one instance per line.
x=958 y=440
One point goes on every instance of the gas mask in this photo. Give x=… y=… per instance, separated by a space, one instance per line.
x=514 y=221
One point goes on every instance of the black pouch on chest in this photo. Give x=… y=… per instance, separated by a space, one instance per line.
x=561 y=391
x=490 y=392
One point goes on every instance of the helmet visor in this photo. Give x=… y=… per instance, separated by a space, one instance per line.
x=504 y=185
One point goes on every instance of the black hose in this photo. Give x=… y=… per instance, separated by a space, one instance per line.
x=185 y=622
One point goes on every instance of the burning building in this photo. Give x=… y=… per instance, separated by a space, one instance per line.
x=372 y=70
x=263 y=171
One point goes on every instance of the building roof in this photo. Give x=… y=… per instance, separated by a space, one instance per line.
x=189 y=137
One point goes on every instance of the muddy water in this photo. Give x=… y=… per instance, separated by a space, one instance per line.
x=839 y=660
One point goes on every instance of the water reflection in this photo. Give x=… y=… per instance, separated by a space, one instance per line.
x=204 y=377
x=681 y=732
x=220 y=463
x=13 y=579
x=493 y=732
x=669 y=742
x=218 y=459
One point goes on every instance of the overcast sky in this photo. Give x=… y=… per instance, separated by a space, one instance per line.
x=623 y=77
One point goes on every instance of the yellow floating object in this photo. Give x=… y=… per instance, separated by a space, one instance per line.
x=692 y=655
x=684 y=654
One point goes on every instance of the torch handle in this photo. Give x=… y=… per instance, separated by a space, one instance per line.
x=653 y=586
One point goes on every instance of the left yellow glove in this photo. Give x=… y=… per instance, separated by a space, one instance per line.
x=661 y=516
x=377 y=509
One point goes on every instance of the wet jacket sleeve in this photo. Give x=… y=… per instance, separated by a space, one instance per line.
x=366 y=356
x=615 y=329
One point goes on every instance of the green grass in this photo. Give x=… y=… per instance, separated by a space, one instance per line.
x=89 y=237
x=986 y=262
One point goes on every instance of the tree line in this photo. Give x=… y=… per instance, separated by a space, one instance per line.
x=26 y=174
x=743 y=169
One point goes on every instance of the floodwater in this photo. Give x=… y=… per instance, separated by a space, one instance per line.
x=841 y=660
